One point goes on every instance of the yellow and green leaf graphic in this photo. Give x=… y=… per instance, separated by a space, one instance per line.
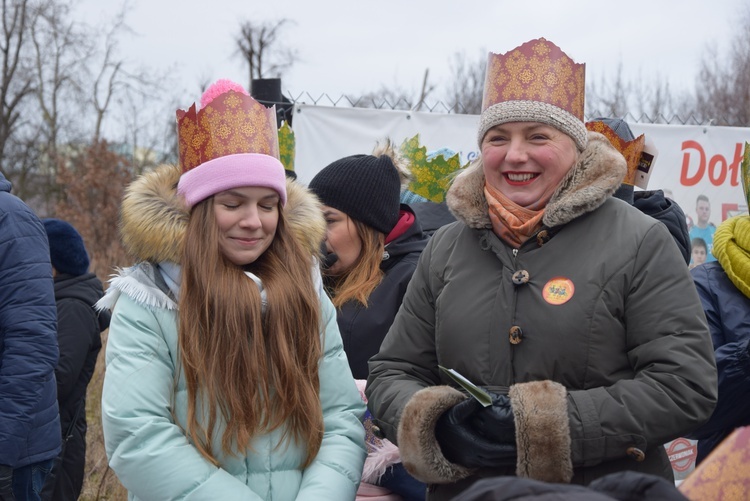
x=286 y=146
x=431 y=177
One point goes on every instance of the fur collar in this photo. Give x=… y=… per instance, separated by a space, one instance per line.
x=595 y=177
x=153 y=219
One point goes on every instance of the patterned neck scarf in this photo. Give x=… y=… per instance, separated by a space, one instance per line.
x=732 y=250
x=511 y=223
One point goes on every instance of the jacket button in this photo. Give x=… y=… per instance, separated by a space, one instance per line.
x=378 y=432
x=515 y=334
x=520 y=277
x=542 y=237
x=636 y=454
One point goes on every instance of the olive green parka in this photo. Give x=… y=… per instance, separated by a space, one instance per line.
x=593 y=326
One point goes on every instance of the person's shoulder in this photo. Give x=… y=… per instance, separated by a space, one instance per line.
x=450 y=231
x=14 y=211
x=10 y=203
x=620 y=213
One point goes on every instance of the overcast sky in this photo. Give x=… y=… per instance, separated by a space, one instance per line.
x=350 y=47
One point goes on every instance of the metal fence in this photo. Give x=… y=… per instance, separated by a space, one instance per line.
x=285 y=109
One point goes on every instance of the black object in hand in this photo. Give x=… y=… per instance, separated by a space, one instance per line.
x=329 y=258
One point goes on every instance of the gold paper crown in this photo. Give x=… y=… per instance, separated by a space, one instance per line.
x=631 y=150
x=231 y=123
x=536 y=71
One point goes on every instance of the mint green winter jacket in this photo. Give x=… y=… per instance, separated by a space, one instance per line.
x=142 y=410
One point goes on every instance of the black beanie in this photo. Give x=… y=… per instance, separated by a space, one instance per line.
x=66 y=249
x=364 y=187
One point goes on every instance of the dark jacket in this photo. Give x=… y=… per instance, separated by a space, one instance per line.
x=29 y=420
x=655 y=204
x=432 y=216
x=78 y=333
x=728 y=314
x=621 y=486
x=363 y=329
x=583 y=322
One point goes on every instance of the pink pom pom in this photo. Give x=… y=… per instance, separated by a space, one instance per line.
x=218 y=88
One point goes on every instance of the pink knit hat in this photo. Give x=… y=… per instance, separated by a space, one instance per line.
x=232 y=141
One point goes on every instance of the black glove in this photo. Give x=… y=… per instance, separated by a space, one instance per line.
x=6 y=483
x=496 y=422
x=462 y=444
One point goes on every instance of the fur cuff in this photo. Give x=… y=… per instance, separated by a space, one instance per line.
x=540 y=409
x=420 y=452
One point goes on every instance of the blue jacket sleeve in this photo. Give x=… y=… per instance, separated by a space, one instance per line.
x=728 y=315
x=336 y=471
x=28 y=342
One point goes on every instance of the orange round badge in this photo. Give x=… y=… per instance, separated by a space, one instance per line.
x=559 y=290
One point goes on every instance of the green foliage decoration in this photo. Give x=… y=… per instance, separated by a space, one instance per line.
x=286 y=146
x=431 y=178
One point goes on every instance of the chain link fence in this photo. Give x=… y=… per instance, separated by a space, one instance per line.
x=285 y=109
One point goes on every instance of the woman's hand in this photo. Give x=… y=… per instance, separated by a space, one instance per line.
x=463 y=444
x=496 y=422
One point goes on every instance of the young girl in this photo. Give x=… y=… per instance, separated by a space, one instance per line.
x=376 y=242
x=226 y=377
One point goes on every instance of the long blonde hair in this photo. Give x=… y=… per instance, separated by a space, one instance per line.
x=257 y=371
x=358 y=282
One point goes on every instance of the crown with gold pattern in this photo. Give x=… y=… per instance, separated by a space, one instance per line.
x=231 y=123
x=231 y=141
x=535 y=82
x=631 y=150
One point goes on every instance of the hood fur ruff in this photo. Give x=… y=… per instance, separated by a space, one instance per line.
x=594 y=178
x=540 y=411
x=153 y=217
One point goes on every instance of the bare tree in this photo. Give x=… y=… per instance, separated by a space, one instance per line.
x=59 y=47
x=723 y=85
x=261 y=46
x=427 y=89
x=96 y=179
x=608 y=98
x=16 y=82
x=107 y=79
x=389 y=98
x=466 y=86
x=130 y=95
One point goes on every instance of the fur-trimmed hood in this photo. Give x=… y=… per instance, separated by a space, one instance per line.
x=153 y=218
x=153 y=221
x=594 y=178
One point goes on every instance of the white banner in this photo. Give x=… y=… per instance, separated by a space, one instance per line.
x=692 y=160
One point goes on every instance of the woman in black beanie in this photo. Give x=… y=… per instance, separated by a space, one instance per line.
x=372 y=246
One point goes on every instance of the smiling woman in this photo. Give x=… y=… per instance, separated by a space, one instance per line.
x=526 y=161
x=225 y=376
x=566 y=304
x=246 y=218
